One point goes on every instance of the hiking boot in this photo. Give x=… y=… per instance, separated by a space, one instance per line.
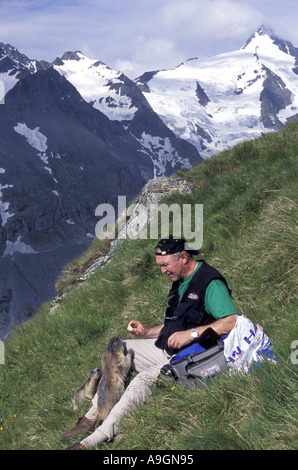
x=82 y=425
x=76 y=446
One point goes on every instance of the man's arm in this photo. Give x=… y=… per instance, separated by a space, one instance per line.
x=136 y=328
x=223 y=326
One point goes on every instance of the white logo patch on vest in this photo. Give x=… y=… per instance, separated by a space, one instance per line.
x=193 y=296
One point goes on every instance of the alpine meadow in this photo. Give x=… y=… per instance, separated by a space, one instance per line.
x=249 y=196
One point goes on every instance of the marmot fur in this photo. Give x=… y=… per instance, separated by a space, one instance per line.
x=116 y=365
x=88 y=390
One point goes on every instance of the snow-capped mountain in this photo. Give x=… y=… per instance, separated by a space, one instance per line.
x=118 y=98
x=219 y=101
x=60 y=157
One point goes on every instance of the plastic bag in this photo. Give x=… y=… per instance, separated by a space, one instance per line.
x=247 y=344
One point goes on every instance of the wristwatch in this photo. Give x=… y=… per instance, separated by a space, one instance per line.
x=194 y=333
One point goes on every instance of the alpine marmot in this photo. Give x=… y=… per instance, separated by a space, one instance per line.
x=116 y=365
x=88 y=390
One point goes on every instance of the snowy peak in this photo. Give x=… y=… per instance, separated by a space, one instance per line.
x=262 y=31
x=77 y=55
x=92 y=79
x=218 y=102
x=265 y=37
x=18 y=60
x=15 y=66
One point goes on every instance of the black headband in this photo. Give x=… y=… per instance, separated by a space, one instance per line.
x=171 y=245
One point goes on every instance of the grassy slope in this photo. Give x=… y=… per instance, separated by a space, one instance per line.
x=250 y=215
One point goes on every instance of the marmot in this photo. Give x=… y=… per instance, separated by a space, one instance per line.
x=88 y=390
x=116 y=366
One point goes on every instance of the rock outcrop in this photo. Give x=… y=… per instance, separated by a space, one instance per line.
x=152 y=193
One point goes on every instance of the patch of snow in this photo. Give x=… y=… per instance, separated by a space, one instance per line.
x=44 y=158
x=35 y=138
x=4 y=206
x=8 y=82
x=39 y=142
x=165 y=152
x=115 y=106
x=18 y=247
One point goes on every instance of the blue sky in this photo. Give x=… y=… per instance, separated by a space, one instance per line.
x=135 y=36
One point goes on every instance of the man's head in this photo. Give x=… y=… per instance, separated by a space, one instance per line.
x=174 y=258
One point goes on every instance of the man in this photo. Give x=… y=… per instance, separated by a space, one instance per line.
x=199 y=297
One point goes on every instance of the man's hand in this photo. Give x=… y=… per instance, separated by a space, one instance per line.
x=222 y=326
x=136 y=328
x=180 y=339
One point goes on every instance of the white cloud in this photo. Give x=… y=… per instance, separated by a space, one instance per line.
x=136 y=36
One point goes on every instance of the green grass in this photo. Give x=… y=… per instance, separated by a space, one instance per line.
x=250 y=234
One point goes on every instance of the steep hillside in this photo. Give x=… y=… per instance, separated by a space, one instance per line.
x=249 y=195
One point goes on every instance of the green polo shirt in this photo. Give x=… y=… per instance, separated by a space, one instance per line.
x=217 y=300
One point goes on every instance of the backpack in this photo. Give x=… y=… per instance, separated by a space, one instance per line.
x=199 y=363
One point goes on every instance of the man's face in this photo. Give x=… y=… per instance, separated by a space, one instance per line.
x=173 y=268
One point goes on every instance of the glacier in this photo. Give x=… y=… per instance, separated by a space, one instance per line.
x=216 y=102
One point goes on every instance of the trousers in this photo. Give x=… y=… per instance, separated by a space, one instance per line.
x=148 y=360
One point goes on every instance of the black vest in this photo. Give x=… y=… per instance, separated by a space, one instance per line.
x=188 y=312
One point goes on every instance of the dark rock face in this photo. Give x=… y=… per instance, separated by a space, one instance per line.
x=202 y=97
x=274 y=97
